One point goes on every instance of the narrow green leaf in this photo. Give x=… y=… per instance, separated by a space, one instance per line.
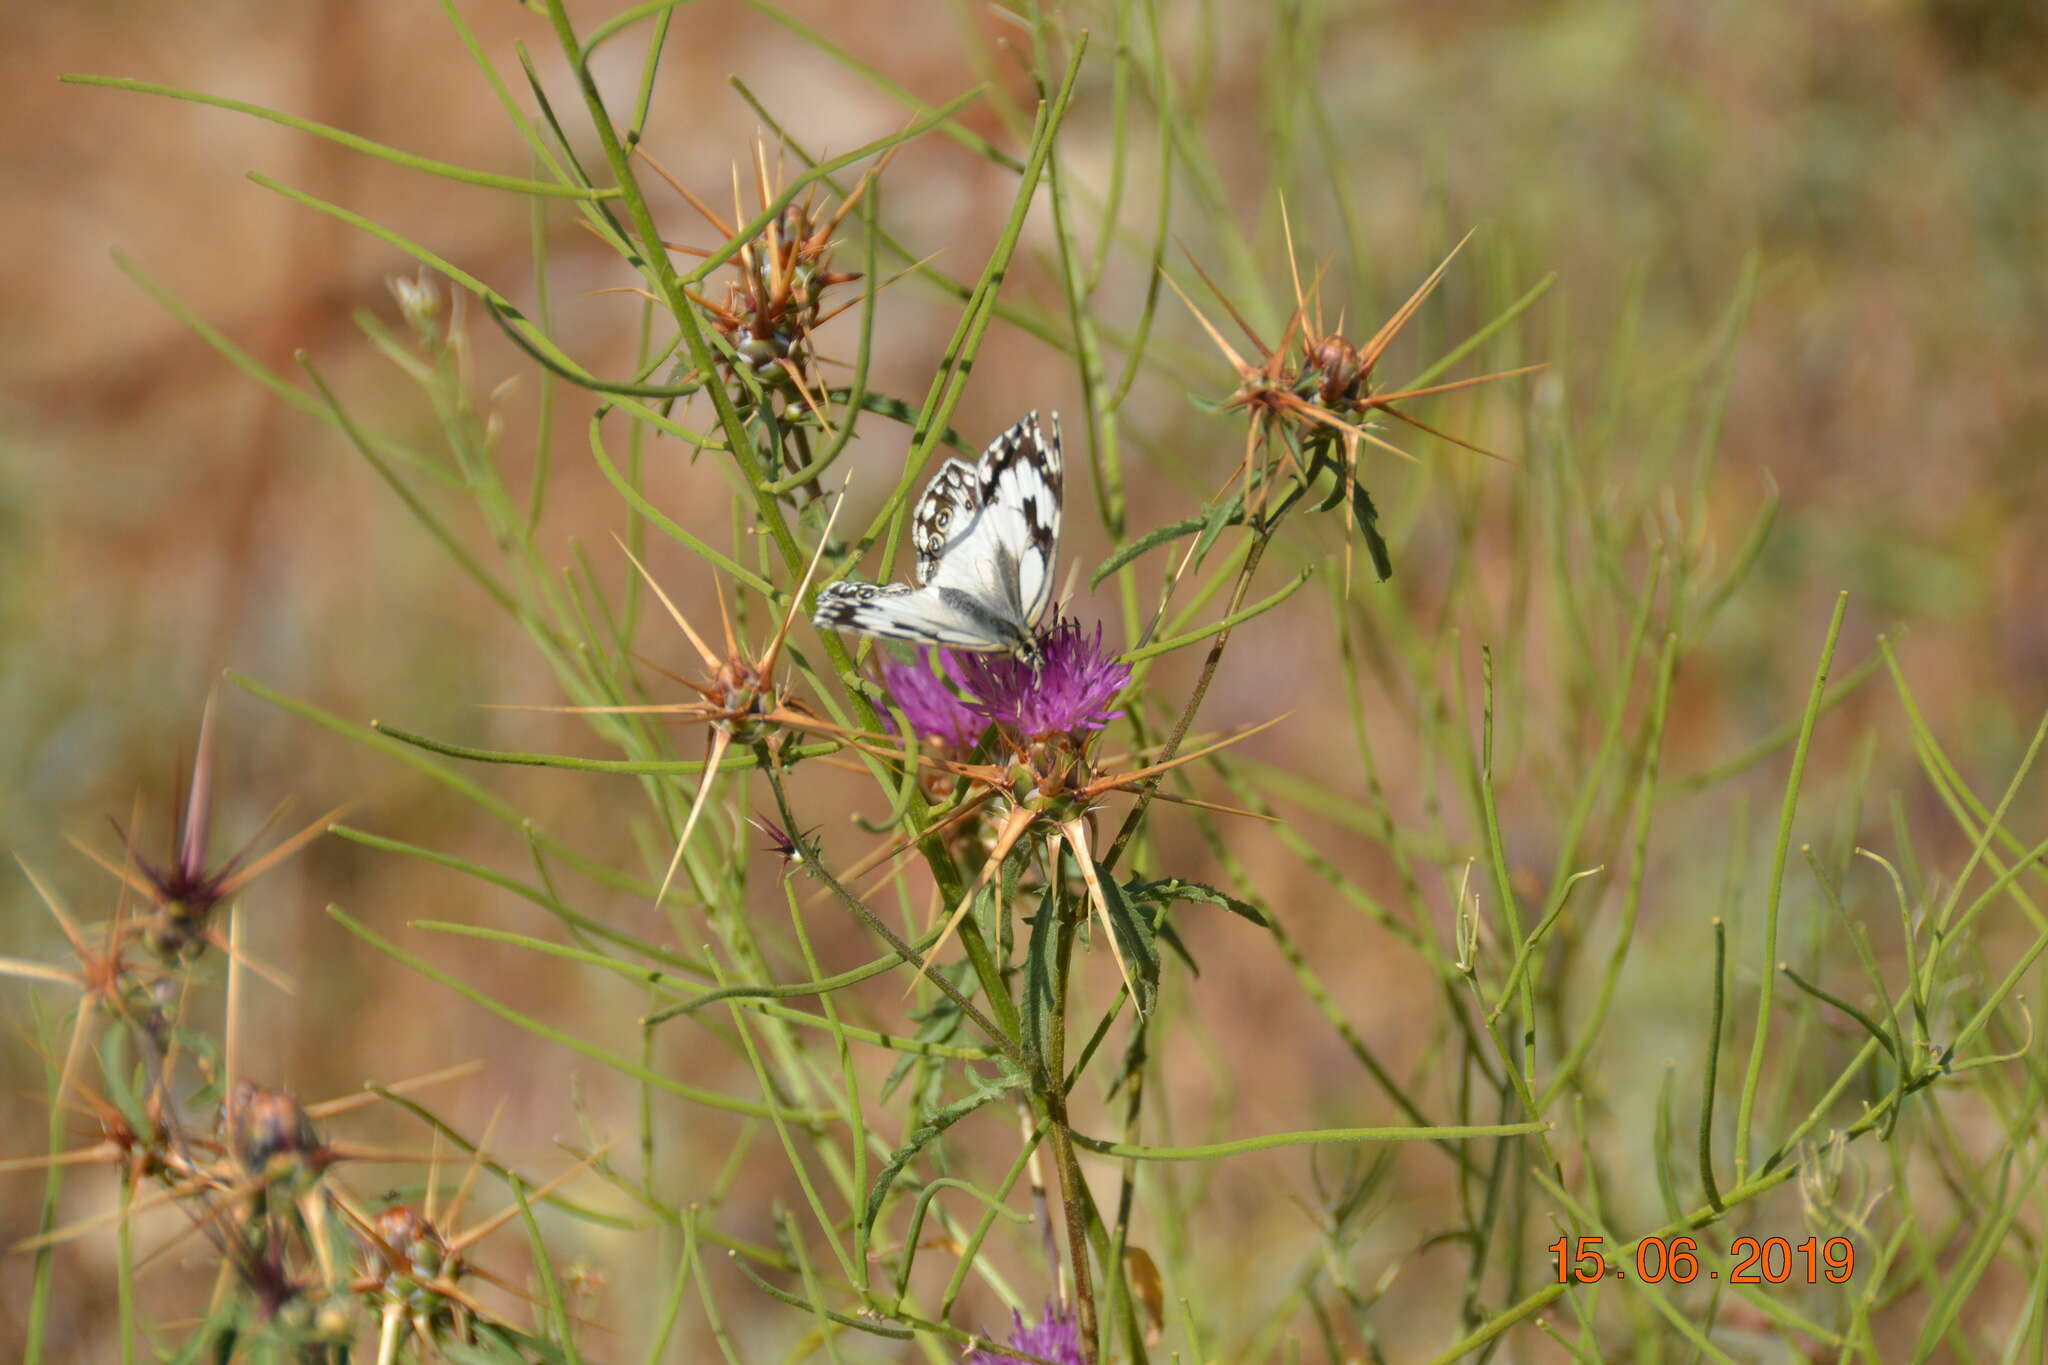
x=486 y=179
x=1157 y=536
x=1136 y=934
x=1169 y=889
x=935 y=1123
x=1040 y=995
x=624 y=1065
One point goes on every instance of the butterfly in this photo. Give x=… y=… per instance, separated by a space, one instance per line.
x=986 y=536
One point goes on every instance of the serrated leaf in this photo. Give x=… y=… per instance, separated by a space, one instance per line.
x=936 y=1122
x=1215 y=519
x=1136 y=934
x=1167 y=890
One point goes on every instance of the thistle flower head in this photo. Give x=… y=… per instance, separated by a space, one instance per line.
x=271 y=1135
x=1068 y=693
x=774 y=291
x=739 y=692
x=413 y=1250
x=1054 y=1336
x=405 y=1230
x=182 y=889
x=1309 y=401
x=934 y=710
x=1335 y=370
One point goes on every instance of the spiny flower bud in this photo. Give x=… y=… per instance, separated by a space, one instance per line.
x=1337 y=369
x=271 y=1135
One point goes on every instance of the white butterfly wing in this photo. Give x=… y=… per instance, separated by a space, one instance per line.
x=897 y=611
x=944 y=513
x=986 y=537
x=1006 y=555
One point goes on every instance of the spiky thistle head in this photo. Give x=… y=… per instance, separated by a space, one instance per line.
x=183 y=889
x=1309 y=402
x=271 y=1137
x=412 y=1250
x=775 y=285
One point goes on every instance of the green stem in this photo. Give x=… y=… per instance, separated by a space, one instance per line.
x=625 y=1065
x=1306 y=1138
x=1713 y=1065
x=1055 y=1097
x=1753 y=1076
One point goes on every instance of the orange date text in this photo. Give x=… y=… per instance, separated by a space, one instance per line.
x=1774 y=1260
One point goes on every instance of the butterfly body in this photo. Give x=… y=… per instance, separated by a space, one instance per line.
x=987 y=536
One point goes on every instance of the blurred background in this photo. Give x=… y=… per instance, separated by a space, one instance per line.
x=162 y=518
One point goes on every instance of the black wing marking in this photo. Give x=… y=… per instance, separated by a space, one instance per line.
x=944 y=512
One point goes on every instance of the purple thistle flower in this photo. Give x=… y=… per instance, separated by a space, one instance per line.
x=1069 y=691
x=1055 y=1336
x=930 y=706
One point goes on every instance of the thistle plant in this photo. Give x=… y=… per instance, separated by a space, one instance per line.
x=1495 y=965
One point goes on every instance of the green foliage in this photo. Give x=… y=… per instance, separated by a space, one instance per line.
x=1490 y=791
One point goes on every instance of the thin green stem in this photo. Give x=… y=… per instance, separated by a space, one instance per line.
x=1713 y=1066
x=1308 y=1137
x=1753 y=1075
